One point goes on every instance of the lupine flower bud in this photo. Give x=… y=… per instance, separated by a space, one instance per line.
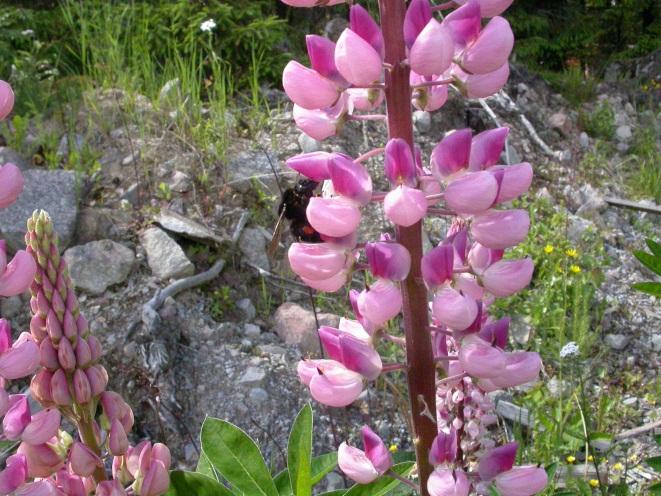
x=17 y=417
x=453 y=309
x=40 y=386
x=491 y=49
x=364 y=467
x=14 y=474
x=307 y=88
x=322 y=123
x=321 y=52
x=500 y=229
x=515 y=181
x=388 y=260
x=497 y=460
x=330 y=382
x=350 y=179
x=95 y=347
x=81 y=387
x=83 y=353
x=486 y=148
x=42 y=427
x=399 y=164
x=66 y=356
x=156 y=480
x=451 y=154
x=42 y=459
x=6 y=100
x=404 y=206
x=83 y=460
x=70 y=484
x=110 y=488
x=437 y=265
x=432 y=52
x=444 y=448
x=335 y=216
x=98 y=379
x=472 y=193
x=357 y=60
x=506 y=277
x=448 y=482
x=418 y=15
x=522 y=481
x=479 y=359
x=11 y=179
x=361 y=23
x=118 y=443
x=355 y=354
x=48 y=355
x=381 y=302
x=316 y=261
x=59 y=388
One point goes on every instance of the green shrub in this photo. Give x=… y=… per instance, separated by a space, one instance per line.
x=600 y=123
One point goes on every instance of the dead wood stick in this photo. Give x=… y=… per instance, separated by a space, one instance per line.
x=616 y=202
x=638 y=430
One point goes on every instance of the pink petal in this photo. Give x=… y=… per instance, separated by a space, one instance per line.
x=516 y=180
x=521 y=367
x=451 y=154
x=376 y=450
x=312 y=165
x=486 y=148
x=18 y=274
x=491 y=49
x=330 y=285
x=522 y=481
x=6 y=100
x=417 y=16
x=485 y=85
x=307 y=88
x=316 y=260
x=350 y=179
x=453 y=309
x=358 y=62
x=500 y=229
x=479 y=359
x=336 y=386
x=381 y=302
x=432 y=52
x=404 y=206
x=447 y=482
x=506 y=277
x=464 y=23
x=355 y=464
x=472 y=193
x=361 y=23
x=335 y=217
x=497 y=460
x=11 y=179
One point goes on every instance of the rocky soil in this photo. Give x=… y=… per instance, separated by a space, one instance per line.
x=229 y=348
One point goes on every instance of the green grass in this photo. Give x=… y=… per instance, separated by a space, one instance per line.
x=644 y=178
x=599 y=123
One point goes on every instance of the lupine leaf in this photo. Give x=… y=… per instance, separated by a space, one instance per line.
x=321 y=466
x=204 y=467
x=383 y=485
x=299 y=453
x=654 y=247
x=650 y=261
x=187 y=483
x=236 y=456
x=653 y=288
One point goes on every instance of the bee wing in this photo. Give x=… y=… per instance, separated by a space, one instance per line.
x=277 y=234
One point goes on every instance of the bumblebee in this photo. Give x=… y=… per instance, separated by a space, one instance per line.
x=292 y=208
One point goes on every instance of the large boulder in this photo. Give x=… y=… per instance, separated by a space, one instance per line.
x=165 y=257
x=99 y=264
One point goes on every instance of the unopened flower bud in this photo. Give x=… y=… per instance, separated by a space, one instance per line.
x=83 y=460
x=118 y=443
x=81 y=387
x=65 y=355
x=59 y=388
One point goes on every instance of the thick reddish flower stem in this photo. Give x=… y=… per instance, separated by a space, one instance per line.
x=420 y=359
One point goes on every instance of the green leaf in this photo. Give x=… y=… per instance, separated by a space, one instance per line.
x=654 y=462
x=383 y=485
x=236 y=456
x=655 y=489
x=337 y=492
x=619 y=489
x=299 y=453
x=321 y=466
x=204 y=467
x=551 y=469
x=657 y=439
x=650 y=261
x=654 y=247
x=653 y=288
x=187 y=483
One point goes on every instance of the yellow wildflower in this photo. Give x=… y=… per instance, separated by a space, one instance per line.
x=571 y=253
x=575 y=269
x=548 y=249
x=393 y=448
x=618 y=467
x=590 y=458
x=571 y=459
x=594 y=482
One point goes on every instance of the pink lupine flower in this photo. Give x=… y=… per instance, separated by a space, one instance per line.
x=42 y=459
x=417 y=17
x=110 y=488
x=312 y=3
x=322 y=123
x=496 y=332
x=464 y=23
x=365 y=99
x=42 y=427
x=118 y=443
x=313 y=165
x=514 y=181
x=316 y=261
x=480 y=257
x=330 y=382
x=17 y=417
x=321 y=52
x=479 y=359
x=497 y=460
x=432 y=51
x=330 y=285
x=404 y=206
x=428 y=98
x=452 y=154
x=388 y=260
x=14 y=474
x=11 y=179
x=482 y=85
x=17 y=275
x=453 y=309
x=399 y=164
x=490 y=8
x=335 y=216
x=448 y=482
x=365 y=323
x=506 y=277
x=350 y=179
x=355 y=354
x=444 y=448
x=521 y=367
x=70 y=484
x=83 y=460
x=6 y=101
x=472 y=193
x=4 y=401
x=500 y=229
x=366 y=466
x=361 y=23
x=491 y=49
x=381 y=302
x=21 y=359
x=437 y=265
x=357 y=60
x=486 y=148
x=522 y=481
x=307 y=88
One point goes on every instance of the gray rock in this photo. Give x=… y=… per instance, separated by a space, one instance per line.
x=520 y=329
x=253 y=246
x=577 y=226
x=131 y=194
x=51 y=190
x=422 y=121
x=253 y=376
x=66 y=141
x=296 y=326
x=251 y=331
x=656 y=342
x=623 y=133
x=165 y=257
x=584 y=140
x=591 y=202
x=95 y=224
x=308 y=144
x=561 y=122
x=9 y=155
x=248 y=309
x=99 y=264
x=248 y=164
x=179 y=224
x=11 y=307
x=617 y=341
x=258 y=395
x=334 y=482
x=180 y=182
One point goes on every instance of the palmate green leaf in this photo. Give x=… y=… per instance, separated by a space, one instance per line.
x=654 y=247
x=188 y=483
x=650 y=261
x=383 y=485
x=653 y=288
x=299 y=453
x=236 y=456
x=321 y=466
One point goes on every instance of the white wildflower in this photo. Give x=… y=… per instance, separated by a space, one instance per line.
x=27 y=32
x=568 y=350
x=208 y=25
